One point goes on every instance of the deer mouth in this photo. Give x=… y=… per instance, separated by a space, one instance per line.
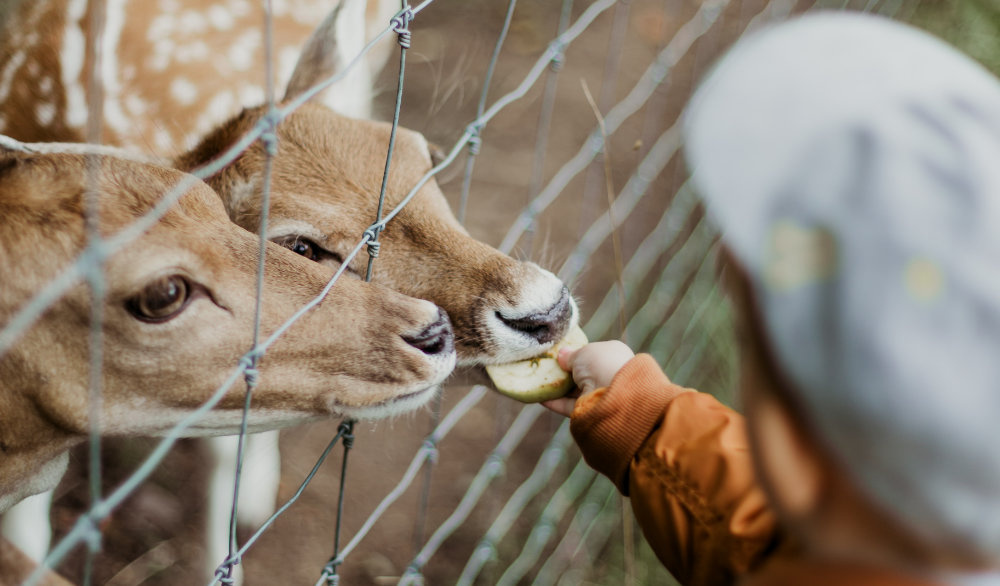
x=436 y=339
x=545 y=326
x=527 y=329
x=392 y=406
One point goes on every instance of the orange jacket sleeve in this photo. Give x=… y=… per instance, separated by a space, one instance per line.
x=683 y=459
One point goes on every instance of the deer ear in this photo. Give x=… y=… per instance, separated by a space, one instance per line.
x=328 y=52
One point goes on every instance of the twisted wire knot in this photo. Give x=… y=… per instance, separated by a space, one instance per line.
x=475 y=142
x=412 y=575
x=405 y=37
x=95 y=253
x=347 y=434
x=251 y=376
x=496 y=464
x=270 y=141
x=371 y=235
x=475 y=145
x=330 y=575
x=269 y=138
x=250 y=373
x=488 y=548
x=401 y=26
x=432 y=451
x=93 y=535
x=223 y=574
x=557 y=62
x=558 y=55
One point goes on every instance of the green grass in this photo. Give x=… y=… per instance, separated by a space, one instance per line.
x=971 y=25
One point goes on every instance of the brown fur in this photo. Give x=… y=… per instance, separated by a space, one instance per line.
x=326 y=181
x=154 y=373
x=34 y=30
x=218 y=55
x=328 y=172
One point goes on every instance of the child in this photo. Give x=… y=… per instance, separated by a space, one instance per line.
x=853 y=166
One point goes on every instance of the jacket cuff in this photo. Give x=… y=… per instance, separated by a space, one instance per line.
x=611 y=423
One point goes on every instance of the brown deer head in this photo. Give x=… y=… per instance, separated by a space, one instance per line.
x=177 y=316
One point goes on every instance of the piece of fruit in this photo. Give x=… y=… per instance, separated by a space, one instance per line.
x=540 y=378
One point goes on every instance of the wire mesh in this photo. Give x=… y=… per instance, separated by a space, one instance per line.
x=89 y=267
x=676 y=312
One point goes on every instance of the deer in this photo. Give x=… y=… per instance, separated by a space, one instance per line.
x=324 y=188
x=178 y=316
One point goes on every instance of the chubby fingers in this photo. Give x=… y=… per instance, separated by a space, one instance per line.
x=563 y=405
x=593 y=366
x=565 y=358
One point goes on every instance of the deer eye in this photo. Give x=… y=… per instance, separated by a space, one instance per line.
x=309 y=249
x=302 y=247
x=161 y=300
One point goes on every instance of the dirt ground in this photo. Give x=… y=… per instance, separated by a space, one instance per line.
x=155 y=538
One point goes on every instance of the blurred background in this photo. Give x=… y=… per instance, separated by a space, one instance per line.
x=639 y=62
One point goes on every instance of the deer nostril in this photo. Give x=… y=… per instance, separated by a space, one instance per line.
x=545 y=326
x=437 y=338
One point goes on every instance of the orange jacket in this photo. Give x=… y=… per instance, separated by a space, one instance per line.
x=683 y=459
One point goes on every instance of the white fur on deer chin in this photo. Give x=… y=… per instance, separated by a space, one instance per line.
x=219 y=422
x=408 y=400
x=225 y=422
x=396 y=406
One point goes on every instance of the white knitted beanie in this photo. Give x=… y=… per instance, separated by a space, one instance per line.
x=853 y=166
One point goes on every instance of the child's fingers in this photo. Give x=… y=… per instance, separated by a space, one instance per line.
x=563 y=406
x=596 y=364
x=593 y=366
x=565 y=358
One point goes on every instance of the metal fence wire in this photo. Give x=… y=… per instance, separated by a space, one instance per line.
x=551 y=526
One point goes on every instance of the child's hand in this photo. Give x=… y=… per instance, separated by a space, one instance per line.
x=593 y=367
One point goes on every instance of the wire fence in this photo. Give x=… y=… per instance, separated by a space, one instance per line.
x=551 y=526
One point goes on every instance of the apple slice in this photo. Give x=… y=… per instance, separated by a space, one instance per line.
x=540 y=378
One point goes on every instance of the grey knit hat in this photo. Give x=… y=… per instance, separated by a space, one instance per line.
x=853 y=166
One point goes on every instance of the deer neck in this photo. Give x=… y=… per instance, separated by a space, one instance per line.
x=33 y=449
x=30 y=465
x=24 y=475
